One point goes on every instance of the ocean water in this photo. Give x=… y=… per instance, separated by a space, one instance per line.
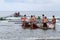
x=29 y=13
x=12 y=31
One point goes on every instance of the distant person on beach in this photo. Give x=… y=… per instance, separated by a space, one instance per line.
x=54 y=21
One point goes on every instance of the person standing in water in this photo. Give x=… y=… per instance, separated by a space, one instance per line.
x=45 y=20
x=23 y=19
x=34 y=18
x=42 y=18
x=31 y=21
x=54 y=21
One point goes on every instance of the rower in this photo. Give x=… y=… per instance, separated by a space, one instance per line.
x=23 y=19
x=31 y=21
x=34 y=18
x=54 y=21
x=42 y=18
x=45 y=20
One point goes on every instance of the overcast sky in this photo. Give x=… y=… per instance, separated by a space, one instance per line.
x=29 y=5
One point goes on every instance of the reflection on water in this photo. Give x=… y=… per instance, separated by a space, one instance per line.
x=10 y=30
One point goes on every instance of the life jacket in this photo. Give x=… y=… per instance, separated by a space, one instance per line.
x=23 y=19
x=38 y=18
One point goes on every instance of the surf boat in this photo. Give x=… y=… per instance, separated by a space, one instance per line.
x=39 y=25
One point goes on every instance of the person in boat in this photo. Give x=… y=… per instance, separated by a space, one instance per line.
x=32 y=21
x=54 y=21
x=45 y=20
x=23 y=19
x=17 y=14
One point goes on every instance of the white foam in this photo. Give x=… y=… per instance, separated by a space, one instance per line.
x=13 y=18
x=4 y=21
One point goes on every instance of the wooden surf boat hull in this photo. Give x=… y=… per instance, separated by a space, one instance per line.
x=39 y=25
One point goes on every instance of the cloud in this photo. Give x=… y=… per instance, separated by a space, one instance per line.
x=1 y=1
x=30 y=5
x=14 y=1
x=34 y=1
